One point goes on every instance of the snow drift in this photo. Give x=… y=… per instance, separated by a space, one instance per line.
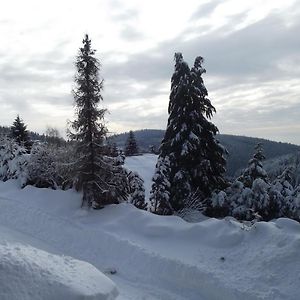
x=160 y=257
x=29 y=273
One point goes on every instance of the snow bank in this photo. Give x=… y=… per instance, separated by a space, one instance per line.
x=161 y=257
x=30 y=273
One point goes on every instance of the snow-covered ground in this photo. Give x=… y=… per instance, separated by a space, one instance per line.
x=154 y=257
x=145 y=167
x=29 y=273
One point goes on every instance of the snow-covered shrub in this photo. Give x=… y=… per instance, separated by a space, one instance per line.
x=160 y=191
x=293 y=205
x=218 y=205
x=13 y=162
x=18 y=166
x=42 y=169
x=117 y=178
x=290 y=205
x=236 y=201
x=64 y=158
x=281 y=192
x=6 y=155
x=136 y=190
x=260 y=200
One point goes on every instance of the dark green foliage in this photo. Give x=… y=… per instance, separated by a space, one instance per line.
x=197 y=160
x=20 y=134
x=111 y=149
x=94 y=171
x=131 y=147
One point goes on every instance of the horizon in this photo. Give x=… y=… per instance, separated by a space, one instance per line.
x=250 y=53
x=237 y=135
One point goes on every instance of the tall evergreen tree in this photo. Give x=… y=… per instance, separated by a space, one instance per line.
x=131 y=147
x=20 y=134
x=197 y=162
x=94 y=171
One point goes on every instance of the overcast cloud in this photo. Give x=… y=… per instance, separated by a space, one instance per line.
x=251 y=50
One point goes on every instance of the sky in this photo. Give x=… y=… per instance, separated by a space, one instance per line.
x=251 y=50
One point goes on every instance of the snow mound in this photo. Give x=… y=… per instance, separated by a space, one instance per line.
x=30 y=273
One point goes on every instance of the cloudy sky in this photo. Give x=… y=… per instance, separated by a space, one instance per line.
x=251 y=50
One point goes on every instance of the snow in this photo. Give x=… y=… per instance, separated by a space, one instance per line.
x=155 y=257
x=30 y=273
x=145 y=166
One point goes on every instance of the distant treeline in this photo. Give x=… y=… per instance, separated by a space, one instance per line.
x=34 y=136
x=240 y=148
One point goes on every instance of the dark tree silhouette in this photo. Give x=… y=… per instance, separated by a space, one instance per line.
x=131 y=147
x=20 y=134
x=94 y=170
x=197 y=162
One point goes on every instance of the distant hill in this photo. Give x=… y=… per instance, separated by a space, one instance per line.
x=145 y=138
x=240 y=148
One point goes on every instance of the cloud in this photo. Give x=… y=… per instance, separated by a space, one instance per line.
x=205 y=10
x=250 y=70
x=130 y=33
x=252 y=66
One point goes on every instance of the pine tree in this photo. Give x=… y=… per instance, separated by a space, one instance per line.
x=13 y=161
x=197 y=162
x=137 y=191
x=94 y=171
x=114 y=150
x=131 y=147
x=160 y=194
x=20 y=134
x=281 y=194
x=255 y=168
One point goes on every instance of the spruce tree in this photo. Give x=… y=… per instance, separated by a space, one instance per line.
x=197 y=162
x=137 y=191
x=160 y=191
x=131 y=147
x=20 y=134
x=94 y=171
x=255 y=168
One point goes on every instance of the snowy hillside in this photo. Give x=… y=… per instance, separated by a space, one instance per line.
x=153 y=257
x=144 y=166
